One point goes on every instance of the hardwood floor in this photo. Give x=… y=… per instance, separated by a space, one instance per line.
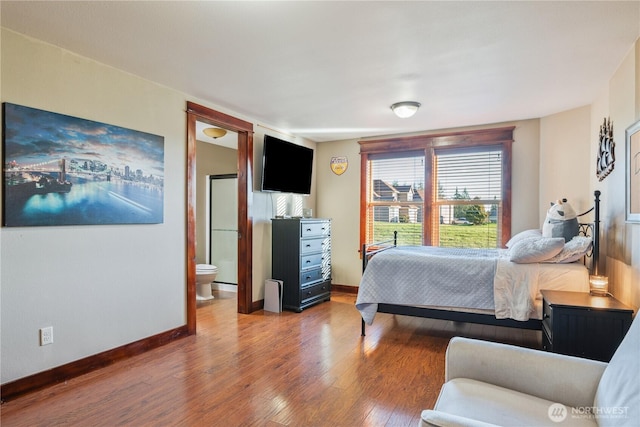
x=266 y=369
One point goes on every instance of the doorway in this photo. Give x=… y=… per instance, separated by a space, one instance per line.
x=245 y=187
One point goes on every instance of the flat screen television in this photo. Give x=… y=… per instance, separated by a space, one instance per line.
x=286 y=167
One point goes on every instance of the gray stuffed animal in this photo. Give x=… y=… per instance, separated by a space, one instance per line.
x=561 y=221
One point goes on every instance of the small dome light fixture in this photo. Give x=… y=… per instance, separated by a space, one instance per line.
x=214 y=132
x=405 y=109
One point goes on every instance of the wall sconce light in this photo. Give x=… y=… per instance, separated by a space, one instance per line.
x=599 y=285
x=214 y=132
x=405 y=109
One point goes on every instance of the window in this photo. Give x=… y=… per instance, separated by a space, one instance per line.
x=442 y=190
x=469 y=193
x=396 y=196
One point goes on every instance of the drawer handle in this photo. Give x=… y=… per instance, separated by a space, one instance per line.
x=308 y=229
x=308 y=292
x=308 y=277
x=308 y=262
x=307 y=245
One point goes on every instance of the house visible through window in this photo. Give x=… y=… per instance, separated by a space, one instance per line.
x=397 y=196
x=445 y=190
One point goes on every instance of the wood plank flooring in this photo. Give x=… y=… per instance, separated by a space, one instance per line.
x=266 y=369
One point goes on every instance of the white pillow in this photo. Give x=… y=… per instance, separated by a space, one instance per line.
x=572 y=251
x=535 y=249
x=523 y=235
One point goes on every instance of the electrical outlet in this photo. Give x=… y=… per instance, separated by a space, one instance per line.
x=46 y=335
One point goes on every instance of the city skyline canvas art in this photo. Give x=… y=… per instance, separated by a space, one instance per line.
x=64 y=170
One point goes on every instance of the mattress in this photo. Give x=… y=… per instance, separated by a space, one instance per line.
x=467 y=280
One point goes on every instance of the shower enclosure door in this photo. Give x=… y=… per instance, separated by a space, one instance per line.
x=223 y=240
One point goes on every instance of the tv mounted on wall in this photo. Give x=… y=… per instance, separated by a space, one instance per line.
x=286 y=167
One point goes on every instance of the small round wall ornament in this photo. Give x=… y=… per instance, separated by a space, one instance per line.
x=339 y=165
x=606 y=155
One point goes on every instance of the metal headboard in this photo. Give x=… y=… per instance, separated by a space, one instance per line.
x=592 y=229
x=369 y=250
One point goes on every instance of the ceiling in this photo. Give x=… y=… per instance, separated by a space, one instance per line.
x=330 y=70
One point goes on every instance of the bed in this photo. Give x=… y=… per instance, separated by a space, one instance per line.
x=473 y=285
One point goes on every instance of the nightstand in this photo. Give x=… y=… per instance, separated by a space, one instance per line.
x=580 y=324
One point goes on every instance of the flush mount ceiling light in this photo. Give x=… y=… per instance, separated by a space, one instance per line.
x=405 y=109
x=214 y=132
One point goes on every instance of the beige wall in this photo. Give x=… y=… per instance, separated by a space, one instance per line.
x=565 y=160
x=98 y=286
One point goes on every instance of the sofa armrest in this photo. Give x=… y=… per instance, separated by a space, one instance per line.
x=431 y=418
x=564 y=379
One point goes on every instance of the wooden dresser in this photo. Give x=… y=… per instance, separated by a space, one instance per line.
x=301 y=258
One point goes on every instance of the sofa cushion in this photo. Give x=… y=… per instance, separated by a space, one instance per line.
x=618 y=396
x=497 y=405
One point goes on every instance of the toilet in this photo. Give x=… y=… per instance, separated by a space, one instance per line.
x=205 y=274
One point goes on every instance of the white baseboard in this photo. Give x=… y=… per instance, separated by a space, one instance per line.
x=224 y=287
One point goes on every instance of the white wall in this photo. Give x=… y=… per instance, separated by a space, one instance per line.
x=338 y=196
x=102 y=287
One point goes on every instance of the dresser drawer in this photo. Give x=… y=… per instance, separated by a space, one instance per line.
x=315 y=290
x=321 y=244
x=311 y=261
x=310 y=229
x=310 y=276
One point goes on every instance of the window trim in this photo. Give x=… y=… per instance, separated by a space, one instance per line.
x=429 y=143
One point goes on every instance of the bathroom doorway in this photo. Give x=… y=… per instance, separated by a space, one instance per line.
x=244 y=130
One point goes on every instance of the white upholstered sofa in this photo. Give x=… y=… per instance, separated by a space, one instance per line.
x=497 y=384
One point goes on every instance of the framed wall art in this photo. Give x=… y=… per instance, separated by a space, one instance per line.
x=632 y=137
x=63 y=170
x=606 y=150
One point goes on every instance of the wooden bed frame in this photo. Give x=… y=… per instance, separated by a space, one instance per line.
x=369 y=250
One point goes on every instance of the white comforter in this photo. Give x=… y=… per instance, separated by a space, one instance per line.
x=467 y=279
